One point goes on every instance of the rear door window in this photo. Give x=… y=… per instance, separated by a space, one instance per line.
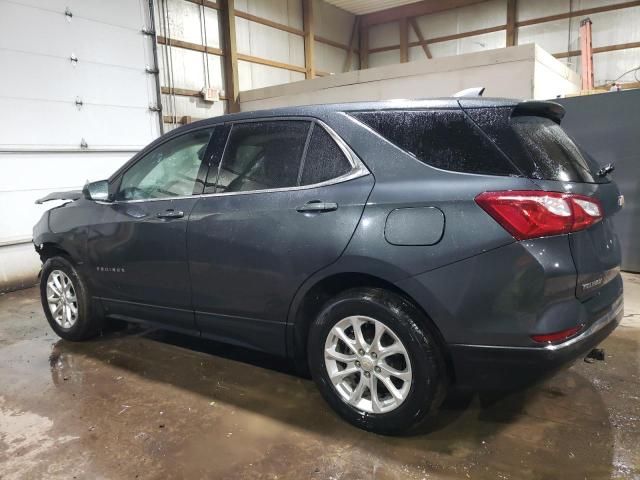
x=445 y=139
x=263 y=155
x=324 y=159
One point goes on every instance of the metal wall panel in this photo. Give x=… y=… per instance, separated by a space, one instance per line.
x=606 y=126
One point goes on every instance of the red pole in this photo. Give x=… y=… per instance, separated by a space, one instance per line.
x=586 y=54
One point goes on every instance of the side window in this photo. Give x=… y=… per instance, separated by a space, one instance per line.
x=444 y=139
x=324 y=160
x=171 y=170
x=263 y=155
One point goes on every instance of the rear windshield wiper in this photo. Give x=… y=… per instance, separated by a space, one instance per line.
x=606 y=170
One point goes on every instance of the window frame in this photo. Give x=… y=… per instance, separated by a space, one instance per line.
x=358 y=168
x=202 y=171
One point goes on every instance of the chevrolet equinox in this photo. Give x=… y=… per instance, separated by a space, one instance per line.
x=391 y=249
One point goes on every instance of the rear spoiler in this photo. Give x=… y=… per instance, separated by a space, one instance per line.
x=551 y=110
x=540 y=108
x=69 y=195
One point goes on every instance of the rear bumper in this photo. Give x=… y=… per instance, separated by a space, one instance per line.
x=483 y=367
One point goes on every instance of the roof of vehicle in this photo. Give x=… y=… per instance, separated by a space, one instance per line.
x=323 y=109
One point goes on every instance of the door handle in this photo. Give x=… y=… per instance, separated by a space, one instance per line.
x=171 y=213
x=317 y=207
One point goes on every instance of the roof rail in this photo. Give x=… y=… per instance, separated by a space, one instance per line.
x=470 y=92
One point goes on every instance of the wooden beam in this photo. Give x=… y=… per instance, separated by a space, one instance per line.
x=352 y=43
x=609 y=48
x=181 y=120
x=333 y=43
x=232 y=85
x=445 y=38
x=417 y=9
x=421 y=40
x=239 y=56
x=579 y=13
x=184 y=92
x=270 y=63
x=512 y=17
x=364 y=47
x=269 y=23
x=206 y=3
x=309 y=37
x=172 y=42
x=404 y=40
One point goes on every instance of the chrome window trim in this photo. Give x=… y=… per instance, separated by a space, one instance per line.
x=358 y=168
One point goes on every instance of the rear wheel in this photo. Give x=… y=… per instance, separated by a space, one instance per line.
x=66 y=301
x=375 y=362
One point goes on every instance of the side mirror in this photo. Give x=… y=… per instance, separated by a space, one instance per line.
x=97 y=191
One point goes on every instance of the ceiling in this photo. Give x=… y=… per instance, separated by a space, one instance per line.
x=361 y=7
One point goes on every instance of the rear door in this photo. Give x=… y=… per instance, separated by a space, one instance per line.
x=530 y=135
x=288 y=196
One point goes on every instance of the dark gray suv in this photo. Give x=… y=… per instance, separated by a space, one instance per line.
x=393 y=249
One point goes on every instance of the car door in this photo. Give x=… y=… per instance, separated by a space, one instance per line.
x=289 y=195
x=137 y=245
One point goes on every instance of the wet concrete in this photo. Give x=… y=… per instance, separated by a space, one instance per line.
x=148 y=404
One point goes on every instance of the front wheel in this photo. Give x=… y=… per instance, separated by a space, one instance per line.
x=66 y=301
x=376 y=362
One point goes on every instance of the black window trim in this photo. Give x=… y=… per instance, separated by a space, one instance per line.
x=146 y=151
x=358 y=168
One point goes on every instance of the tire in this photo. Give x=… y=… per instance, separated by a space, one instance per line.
x=74 y=327
x=421 y=365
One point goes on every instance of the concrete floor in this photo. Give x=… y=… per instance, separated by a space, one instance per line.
x=148 y=404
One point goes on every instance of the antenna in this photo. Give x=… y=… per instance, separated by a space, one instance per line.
x=470 y=92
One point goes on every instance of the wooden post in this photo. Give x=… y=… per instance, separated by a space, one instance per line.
x=364 y=48
x=404 y=40
x=352 y=44
x=416 y=28
x=586 y=54
x=307 y=21
x=512 y=32
x=230 y=55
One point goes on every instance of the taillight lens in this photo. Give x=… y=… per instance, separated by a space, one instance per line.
x=530 y=214
x=556 y=337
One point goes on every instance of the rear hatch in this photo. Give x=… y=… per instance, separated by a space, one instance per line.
x=529 y=134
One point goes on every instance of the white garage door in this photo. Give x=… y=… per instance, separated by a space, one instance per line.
x=74 y=99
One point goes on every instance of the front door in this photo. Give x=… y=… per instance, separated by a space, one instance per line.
x=137 y=246
x=288 y=199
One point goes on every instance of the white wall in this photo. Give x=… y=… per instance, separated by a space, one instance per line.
x=41 y=128
x=609 y=28
x=518 y=72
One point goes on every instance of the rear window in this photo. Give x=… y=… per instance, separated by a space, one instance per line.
x=537 y=146
x=445 y=139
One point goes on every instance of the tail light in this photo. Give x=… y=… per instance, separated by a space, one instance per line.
x=530 y=214
x=556 y=337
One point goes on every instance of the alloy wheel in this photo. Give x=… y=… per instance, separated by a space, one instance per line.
x=62 y=299
x=368 y=364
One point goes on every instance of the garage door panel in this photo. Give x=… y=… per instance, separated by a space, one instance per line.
x=124 y=13
x=93 y=83
x=50 y=124
x=57 y=171
x=49 y=33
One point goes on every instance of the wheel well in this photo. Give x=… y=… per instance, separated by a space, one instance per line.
x=331 y=286
x=50 y=250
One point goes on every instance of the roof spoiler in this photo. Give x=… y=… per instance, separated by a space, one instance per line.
x=551 y=110
x=470 y=92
